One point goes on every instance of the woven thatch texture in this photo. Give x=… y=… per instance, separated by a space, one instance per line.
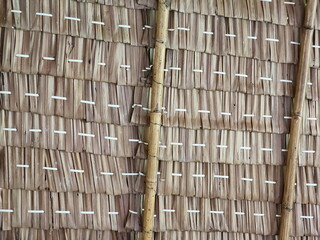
x=75 y=87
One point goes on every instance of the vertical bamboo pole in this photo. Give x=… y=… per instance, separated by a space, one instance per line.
x=155 y=118
x=296 y=121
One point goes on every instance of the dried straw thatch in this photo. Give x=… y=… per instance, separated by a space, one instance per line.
x=75 y=106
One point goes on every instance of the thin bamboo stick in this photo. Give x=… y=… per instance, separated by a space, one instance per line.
x=296 y=122
x=155 y=118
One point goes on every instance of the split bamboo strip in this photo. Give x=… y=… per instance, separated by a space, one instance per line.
x=296 y=123
x=155 y=118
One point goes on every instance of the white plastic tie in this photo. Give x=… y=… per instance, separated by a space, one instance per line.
x=208 y=33
x=266 y=149
x=59 y=98
x=265 y=78
x=221 y=176
x=222 y=146
x=230 y=35
x=10 y=129
x=198 y=145
x=175 y=68
x=87 y=212
x=31 y=94
x=86 y=135
x=247 y=179
x=50 y=168
x=5 y=92
x=113 y=106
x=62 y=212
x=183 y=29
x=258 y=214
x=168 y=210
x=107 y=173
x=16 y=11
x=198 y=175
x=270 y=182
x=307 y=217
x=241 y=75
x=245 y=148
x=44 y=14
x=176 y=174
x=97 y=22
x=218 y=72
x=76 y=170
x=217 y=212
x=252 y=37
x=22 y=165
x=87 y=102
x=193 y=211
x=75 y=60
x=285 y=80
x=35 y=130
x=311 y=184
x=113 y=213
x=22 y=55
x=272 y=39
x=124 y=26
x=59 y=132
x=203 y=111
x=6 y=210
x=130 y=174
x=111 y=138
x=48 y=58
x=36 y=211
x=72 y=19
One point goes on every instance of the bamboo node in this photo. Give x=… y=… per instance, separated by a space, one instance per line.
x=160 y=41
x=157 y=82
x=159 y=124
x=288 y=208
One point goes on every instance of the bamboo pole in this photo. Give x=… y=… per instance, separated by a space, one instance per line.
x=155 y=118
x=296 y=121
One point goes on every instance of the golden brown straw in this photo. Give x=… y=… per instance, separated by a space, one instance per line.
x=296 y=122
x=155 y=118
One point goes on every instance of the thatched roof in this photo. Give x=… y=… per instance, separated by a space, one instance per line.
x=75 y=94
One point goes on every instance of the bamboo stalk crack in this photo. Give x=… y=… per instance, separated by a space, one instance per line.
x=296 y=121
x=155 y=118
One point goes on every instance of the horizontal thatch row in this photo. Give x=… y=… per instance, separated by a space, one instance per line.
x=33 y=130
x=94 y=21
x=80 y=58
x=37 y=209
x=86 y=234
x=49 y=132
x=68 y=234
x=66 y=56
x=77 y=99
x=110 y=103
x=58 y=171
x=240 y=182
x=221 y=36
x=190 y=235
x=189 y=70
x=279 y=12
x=125 y=3
x=257 y=77
x=227 y=110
